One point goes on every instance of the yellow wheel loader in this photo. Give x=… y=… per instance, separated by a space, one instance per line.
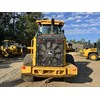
x=93 y=53
x=86 y=46
x=10 y=48
x=82 y=51
x=48 y=56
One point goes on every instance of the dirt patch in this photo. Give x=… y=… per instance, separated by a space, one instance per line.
x=88 y=74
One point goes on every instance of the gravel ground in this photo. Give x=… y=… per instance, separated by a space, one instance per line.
x=88 y=74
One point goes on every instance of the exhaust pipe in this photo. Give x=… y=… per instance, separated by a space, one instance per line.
x=52 y=26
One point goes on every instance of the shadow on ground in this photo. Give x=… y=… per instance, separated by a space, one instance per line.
x=11 y=83
x=10 y=60
x=84 y=73
x=4 y=66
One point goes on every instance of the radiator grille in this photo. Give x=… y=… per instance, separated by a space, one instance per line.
x=49 y=52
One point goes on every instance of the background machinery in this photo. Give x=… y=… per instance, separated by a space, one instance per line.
x=10 y=48
x=48 y=56
x=92 y=52
x=86 y=46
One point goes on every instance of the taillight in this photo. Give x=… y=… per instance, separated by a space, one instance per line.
x=23 y=67
x=74 y=69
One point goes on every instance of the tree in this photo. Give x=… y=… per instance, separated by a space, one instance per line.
x=20 y=27
x=27 y=27
x=4 y=25
x=72 y=41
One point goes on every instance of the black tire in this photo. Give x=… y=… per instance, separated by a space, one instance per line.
x=27 y=60
x=27 y=78
x=95 y=55
x=70 y=59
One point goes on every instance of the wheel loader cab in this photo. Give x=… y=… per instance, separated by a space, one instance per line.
x=48 y=56
x=46 y=27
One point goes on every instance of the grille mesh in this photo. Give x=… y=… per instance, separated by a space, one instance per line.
x=49 y=53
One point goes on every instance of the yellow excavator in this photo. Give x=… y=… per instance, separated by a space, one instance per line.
x=10 y=48
x=48 y=56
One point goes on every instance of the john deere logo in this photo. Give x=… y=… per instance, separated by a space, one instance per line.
x=49 y=52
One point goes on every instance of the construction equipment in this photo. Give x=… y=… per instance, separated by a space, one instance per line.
x=48 y=56
x=82 y=51
x=0 y=51
x=86 y=46
x=93 y=53
x=10 y=48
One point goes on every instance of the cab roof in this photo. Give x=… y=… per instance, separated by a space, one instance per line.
x=47 y=22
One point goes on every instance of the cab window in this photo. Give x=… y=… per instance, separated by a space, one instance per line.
x=46 y=29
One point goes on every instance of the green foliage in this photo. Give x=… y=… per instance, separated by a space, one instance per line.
x=20 y=27
x=72 y=41
x=81 y=41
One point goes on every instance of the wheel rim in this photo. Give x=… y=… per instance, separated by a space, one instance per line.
x=93 y=57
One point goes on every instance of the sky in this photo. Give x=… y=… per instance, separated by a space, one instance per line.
x=79 y=25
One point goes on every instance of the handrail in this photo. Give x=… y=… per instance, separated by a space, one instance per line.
x=32 y=47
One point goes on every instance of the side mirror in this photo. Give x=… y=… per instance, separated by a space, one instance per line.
x=62 y=32
x=39 y=24
x=60 y=25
